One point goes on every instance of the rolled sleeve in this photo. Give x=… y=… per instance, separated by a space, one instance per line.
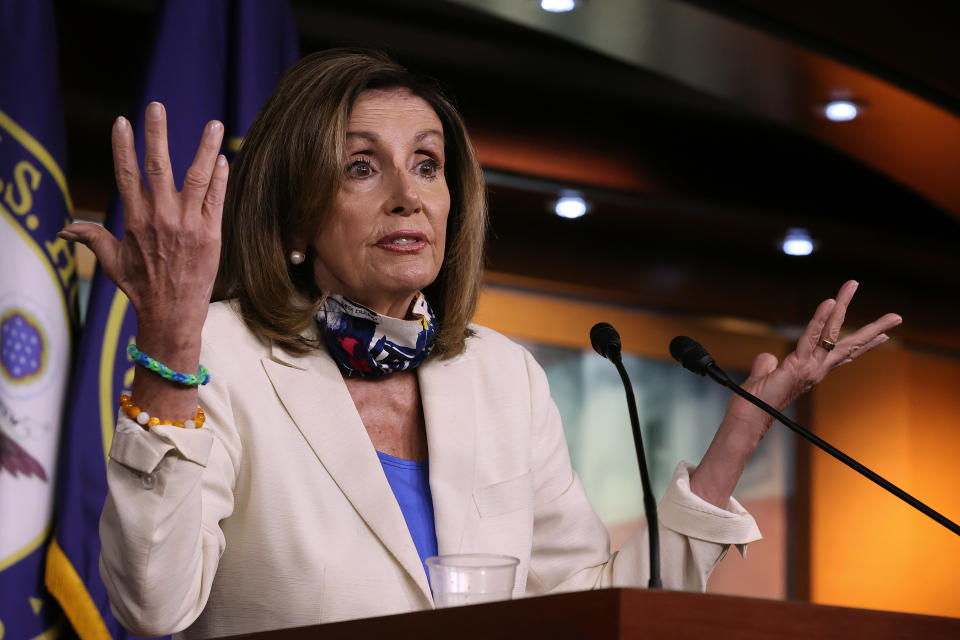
x=142 y=450
x=169 y=489
x=686 y=513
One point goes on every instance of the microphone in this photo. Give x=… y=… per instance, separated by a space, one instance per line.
x=690 y=354
x=694 y=357
x=606 y=342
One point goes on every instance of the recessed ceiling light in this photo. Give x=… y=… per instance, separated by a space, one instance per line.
x=570 y=207
x=841 y=110
x=797 y=242
x=558 y=6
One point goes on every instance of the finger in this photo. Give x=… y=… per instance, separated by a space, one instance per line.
x=98 y=240
x=858 y=351
x=811 y=335
x=763 y=365
x=216 y=193
x=156 y=160
x=125 y=169
x=868 y=331
x=831 y=329
x=865 y=334
x=197 y=181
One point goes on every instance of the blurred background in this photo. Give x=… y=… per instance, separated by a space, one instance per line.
x=734 y=162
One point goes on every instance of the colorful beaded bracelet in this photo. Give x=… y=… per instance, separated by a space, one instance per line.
x=146 y=421
x=165 y=372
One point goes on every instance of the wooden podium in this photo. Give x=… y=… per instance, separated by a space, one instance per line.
x=634 y=613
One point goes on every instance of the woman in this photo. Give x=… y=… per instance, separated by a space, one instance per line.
x=355 y=206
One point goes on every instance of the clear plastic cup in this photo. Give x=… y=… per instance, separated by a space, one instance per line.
x=473 y=578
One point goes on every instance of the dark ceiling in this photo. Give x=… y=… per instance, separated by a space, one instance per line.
x=689 y=193
x=915 y=48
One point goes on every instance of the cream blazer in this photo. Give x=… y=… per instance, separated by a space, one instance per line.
x=277 y=512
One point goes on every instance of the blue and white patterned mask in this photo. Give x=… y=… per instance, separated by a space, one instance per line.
x=366 y=344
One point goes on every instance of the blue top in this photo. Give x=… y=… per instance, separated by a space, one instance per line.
x=411 y=485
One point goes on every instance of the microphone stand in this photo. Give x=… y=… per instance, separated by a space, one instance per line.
x=606 y=342
x=718 y=375
x=649 y=505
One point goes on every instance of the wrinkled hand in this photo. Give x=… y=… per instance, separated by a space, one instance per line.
x=167 y=261
x=780 y=384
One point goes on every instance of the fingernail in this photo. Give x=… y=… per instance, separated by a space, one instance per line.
x=221 y=160
x=68 y=235
x=154 y=110
x=215 y=126
x=121 y=123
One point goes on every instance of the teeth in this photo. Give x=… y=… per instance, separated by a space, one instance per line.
x=403 y=241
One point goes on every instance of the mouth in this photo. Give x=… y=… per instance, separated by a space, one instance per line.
x=403 y=241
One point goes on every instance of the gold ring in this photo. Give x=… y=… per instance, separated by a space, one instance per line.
x=827 y=344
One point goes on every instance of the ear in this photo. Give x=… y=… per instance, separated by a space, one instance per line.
x=297 y=252
x=298 y=243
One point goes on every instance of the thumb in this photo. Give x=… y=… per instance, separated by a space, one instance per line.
x=763 y=365
x=98 y=240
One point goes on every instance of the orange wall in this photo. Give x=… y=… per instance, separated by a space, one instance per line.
x=567 y=322
x=897 y=412
x=894 y=410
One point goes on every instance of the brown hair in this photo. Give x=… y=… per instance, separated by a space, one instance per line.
x=288 y=172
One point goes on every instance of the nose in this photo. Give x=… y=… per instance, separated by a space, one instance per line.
x=404 y=197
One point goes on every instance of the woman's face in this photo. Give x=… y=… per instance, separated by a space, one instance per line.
x=384 y=240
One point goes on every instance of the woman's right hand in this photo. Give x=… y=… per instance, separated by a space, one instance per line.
x=167 y=261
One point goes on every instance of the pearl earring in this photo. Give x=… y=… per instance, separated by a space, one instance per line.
x=297 y=257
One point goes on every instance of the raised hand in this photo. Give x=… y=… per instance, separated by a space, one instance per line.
x=780 y=383
x=167 y=259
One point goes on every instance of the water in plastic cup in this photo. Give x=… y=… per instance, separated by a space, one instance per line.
x=471 y=578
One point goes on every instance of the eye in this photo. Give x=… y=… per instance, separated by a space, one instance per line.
x=429 y=169
x=360 y=168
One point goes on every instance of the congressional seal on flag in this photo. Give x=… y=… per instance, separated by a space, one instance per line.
x=38 y=289
x=36 y=295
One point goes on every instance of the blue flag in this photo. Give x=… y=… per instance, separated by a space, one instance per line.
x=38 y=288
x=215 y=59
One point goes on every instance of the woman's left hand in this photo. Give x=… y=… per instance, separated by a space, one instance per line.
x=779 y=384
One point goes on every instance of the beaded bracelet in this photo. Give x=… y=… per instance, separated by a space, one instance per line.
x=145 y=420
x=165 y=372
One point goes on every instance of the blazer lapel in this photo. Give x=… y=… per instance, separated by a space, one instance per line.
x=312 y=390
x=449 y=409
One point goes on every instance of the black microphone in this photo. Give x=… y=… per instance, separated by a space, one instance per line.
x=694 y=357
x=606 y=342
